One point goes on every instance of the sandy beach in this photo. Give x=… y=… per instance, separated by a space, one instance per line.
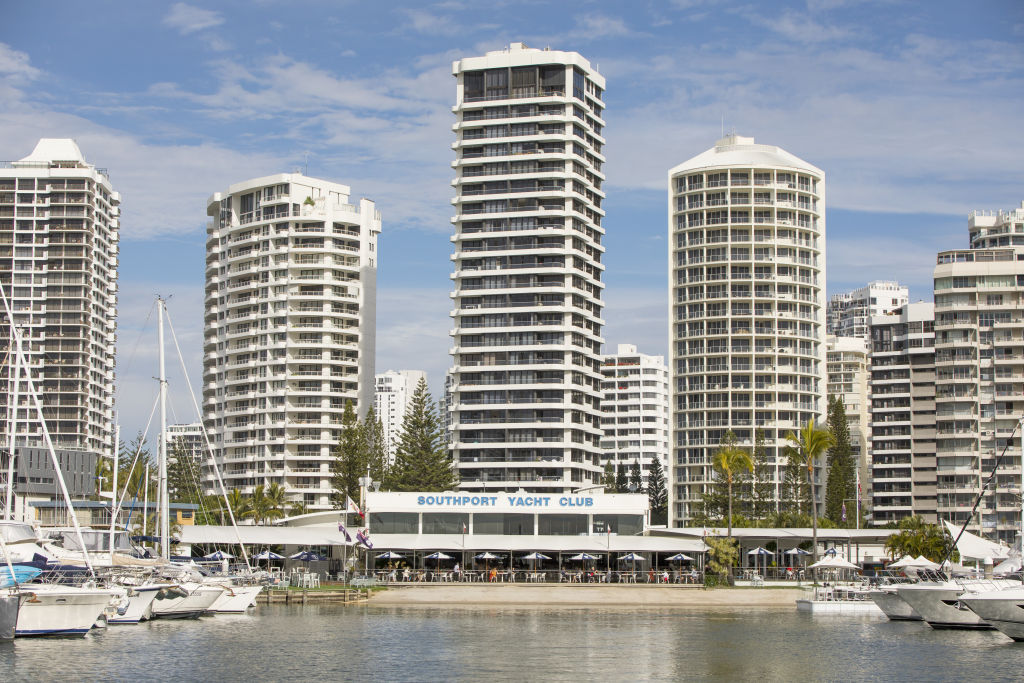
x=606 y=596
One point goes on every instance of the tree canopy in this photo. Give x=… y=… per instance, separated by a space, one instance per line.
x=841 y=483
x=422 y=459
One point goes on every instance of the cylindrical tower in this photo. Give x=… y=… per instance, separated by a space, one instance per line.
x=746 y=300
x=291 y=271
x=525 y=390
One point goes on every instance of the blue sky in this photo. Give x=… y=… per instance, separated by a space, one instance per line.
x=913 y=109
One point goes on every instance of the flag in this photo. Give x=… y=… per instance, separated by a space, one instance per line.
x=343 y=530
x=844 y=510
x=463 y=527
x=352 y=507
x=363 y=536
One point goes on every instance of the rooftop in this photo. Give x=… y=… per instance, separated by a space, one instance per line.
x=738 y=151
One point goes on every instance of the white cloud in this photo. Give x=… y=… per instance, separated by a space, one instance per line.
x=412 y=332
x=189 y=19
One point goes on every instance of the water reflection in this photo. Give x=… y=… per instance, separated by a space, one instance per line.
x=419 y=643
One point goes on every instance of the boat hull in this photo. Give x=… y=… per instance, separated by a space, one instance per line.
x=9 y=604
x=893 y=606
x=53 y=611
x=940 y=607
x=194 y=604
x=838 y=607
x=139 y=605
x=1004 y=613
x=236 y=599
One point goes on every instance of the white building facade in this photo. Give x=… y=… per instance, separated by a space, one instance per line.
x=902 y=389
x=849 y=313
x=188 y=438
x=394 y=390
x=635 y=408
x=525 y=390
x=746 y=307
x=289 y=330
x=59 y=231
x=979 y=383
x=848 y=366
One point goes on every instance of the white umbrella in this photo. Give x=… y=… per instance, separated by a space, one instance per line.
x=583 y=557
x=796 y=551
x=219 y=555
x=905 y=561
x=268 y=555
x=679 y=557
x=438 y=556
x=923 y=561
x=835 y=562
x=633 y=557
x=486 y=556
x=535 y=556
x=390 y=555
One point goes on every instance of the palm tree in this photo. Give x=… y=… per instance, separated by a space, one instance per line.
x=729 y=460
x=277 y=499
x=297 y=508
x=259 y=506
x=805 y=449
x=239 y=504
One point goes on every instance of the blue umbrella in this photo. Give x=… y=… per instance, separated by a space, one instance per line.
x=219 y=555
x=307 y=556
x=680 y=557
x=390 y=555
x=268 y=555
x=632 y=557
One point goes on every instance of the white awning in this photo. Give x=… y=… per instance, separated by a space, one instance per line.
x=973 y=547
x=263 y=535
x=498 y=543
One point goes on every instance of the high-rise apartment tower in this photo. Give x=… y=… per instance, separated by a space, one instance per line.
x=849 y=313
x=394 y=390
x=526 y=384
x=59 y=224
x=635 y=407
x=291 y=270
x=746 y=306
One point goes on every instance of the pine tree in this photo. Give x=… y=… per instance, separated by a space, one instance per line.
x=182 y=475
x=375 y=445
x=763 y=486
x=349 y=463
x=621 y=480
x=657 y=493
x=636 y=478
x=422 y=459
x=841 y=483
x=608 y=478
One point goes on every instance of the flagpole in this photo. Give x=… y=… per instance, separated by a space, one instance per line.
x=858 y=498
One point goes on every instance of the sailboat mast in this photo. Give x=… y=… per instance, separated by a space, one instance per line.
x=114 y=506
x=165 y=527
x=13 y=377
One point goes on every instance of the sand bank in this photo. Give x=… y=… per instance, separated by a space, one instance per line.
x=606 y=596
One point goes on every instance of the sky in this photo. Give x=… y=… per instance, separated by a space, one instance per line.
x=913 y=109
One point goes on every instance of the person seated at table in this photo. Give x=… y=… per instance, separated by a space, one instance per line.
x=493 y=576
x=789 y=572
x=650 y=575
x=405 y=574
x=456 y=570
x=693 y=575
x=664 y=576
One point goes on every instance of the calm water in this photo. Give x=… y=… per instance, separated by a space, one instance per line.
x=421 y=643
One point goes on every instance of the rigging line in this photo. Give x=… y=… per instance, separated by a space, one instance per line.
x=206 y=438
x=981 y=494
x=131 y=470
x=138 y=339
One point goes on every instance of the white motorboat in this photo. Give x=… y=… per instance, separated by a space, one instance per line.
x=235 y=599
x=133 y=604
x=838 y=600
x=940 y=603
x=892 y=605
x=1003 y=609
x=187 y=600
x=51 y=609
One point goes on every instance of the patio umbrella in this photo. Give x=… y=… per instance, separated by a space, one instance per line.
x=307 y=556
x=584 y=557
x=486 y=556
x=219 y=555
x=268 y=555
x=535 y=556
x=632 y=557
x=679 y=557
x=390 y=555
x=438 y=556
x=761 y=552
x=796 y=551
x=835 y=562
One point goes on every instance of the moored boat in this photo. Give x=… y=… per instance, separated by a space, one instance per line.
x=185 y=601
x=892 y=605
x=1003 y=609
x=55 y=610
